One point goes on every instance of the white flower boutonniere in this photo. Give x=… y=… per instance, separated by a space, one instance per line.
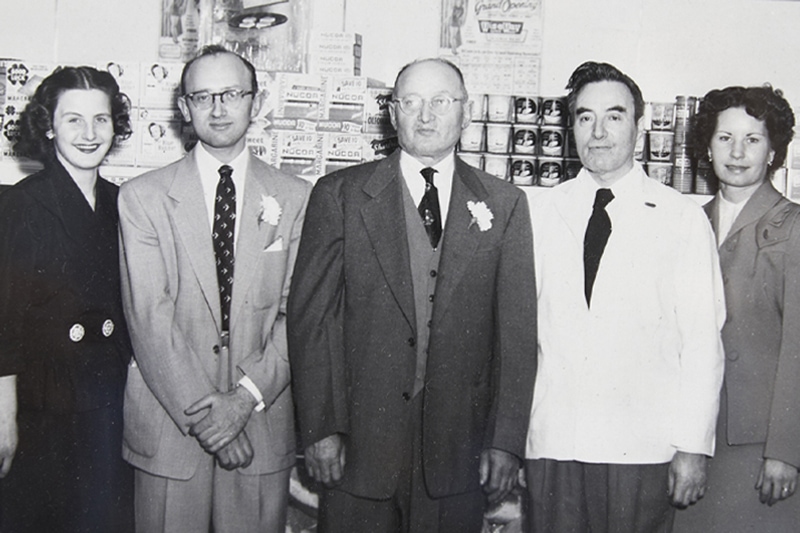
x=270 y=211
x=481 y=215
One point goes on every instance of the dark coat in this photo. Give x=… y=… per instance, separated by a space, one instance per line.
x=352 y=329
x=59 y=266
x=760 y=261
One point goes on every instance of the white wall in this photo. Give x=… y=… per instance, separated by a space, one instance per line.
x=669 y=47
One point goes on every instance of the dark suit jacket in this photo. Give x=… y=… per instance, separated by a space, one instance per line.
x=352 y=329
x=760 y=261
x=59 y=267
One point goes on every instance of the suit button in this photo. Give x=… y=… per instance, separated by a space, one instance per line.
x=430 y=298
x=406 y=396
x=766 y=233
x=412 y=341
x=433 y=273
x=733 y=355
x=216 y=349
x=430 y=323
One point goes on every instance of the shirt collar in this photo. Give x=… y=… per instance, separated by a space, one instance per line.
x=208 y=164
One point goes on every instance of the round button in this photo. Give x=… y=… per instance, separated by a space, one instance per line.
x=108 y=327
x=412 y=341
x=76 y=333
x=733 y=355
x=433 y=273
x=406 y=396
x=430 y=297
x=216 y=348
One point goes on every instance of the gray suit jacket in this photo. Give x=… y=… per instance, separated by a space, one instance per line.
x=352 y=328
x=760 y=261
x=171 y=301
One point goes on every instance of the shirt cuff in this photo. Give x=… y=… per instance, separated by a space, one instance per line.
x=248 y=384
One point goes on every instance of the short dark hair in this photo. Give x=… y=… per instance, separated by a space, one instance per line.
x=36 y=119
x=439 y=60
x=592 y=72
x=214 y=50
x=763 y=103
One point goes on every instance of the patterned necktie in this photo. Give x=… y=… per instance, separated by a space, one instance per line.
x=429 y=208
x=594 y=242
x=224 y=223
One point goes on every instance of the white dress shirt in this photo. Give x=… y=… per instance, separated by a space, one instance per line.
x=208 y=165
x=728 y=211
x=636 y=376
x=443 y=180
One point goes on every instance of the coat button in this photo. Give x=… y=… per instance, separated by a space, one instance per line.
x=76 y=333
x=406 y=396
x=412 y=341
x=733 y=355
x=216 y=349
x=430 y=297
x=766 y=233
x=433 y=273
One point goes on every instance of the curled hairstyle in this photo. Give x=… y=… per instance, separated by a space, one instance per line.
x=214 y=50
x=37 y=118
x=762 y=103
x=592 y=72
x=439 y=60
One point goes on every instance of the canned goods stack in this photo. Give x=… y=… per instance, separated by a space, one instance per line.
x=660 y=140
x=522 y=139
x=683 y=169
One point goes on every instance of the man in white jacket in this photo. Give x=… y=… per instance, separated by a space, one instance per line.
x=631 y=306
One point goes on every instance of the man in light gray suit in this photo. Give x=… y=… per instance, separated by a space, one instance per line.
x=208 y=411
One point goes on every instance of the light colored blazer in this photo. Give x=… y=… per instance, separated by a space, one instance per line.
x=171 y=301
x=760 y=260
x=636 y=376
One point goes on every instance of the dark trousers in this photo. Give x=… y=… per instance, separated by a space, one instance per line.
x=68 y=475
x=410 y=509
x=576 y=497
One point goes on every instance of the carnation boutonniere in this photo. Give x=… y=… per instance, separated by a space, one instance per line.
x=270 y=211
x=481 y=215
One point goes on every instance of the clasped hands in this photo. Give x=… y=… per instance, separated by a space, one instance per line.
x=221 y=430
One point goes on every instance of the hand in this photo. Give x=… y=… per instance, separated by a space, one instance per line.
x=777 y=481
x=687 y=478
x=8 y=423
x=498 y=472
x=227 y=416
x=237 y=454
x=325 y=460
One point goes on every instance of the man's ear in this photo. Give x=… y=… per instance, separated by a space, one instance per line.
x=184 y=107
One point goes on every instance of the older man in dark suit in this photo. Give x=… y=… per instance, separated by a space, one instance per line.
x=412 y=326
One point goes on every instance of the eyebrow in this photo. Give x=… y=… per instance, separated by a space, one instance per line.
x=617 y=108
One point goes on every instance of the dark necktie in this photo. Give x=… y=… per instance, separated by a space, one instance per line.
x=429 y=208
x=224 y=223
x=594 y=242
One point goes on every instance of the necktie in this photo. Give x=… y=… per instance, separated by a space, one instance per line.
x=594 y=242
x=429 y=208
x=224 y=223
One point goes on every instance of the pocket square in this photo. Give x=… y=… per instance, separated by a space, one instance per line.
x=276 y=246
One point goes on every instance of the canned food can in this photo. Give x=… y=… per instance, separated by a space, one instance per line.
x=554 y=111
x=684 y=108
x=472 y=159
x=661 y=172
x=496 y=165
x=704 y=179
x=523 y=170
x=660 y=145
x=551 y=141
x=478 y=107
x=472 y=137
x=571 y=168
x=551 y=171
x=499 y=108
x=661 y=115
x=526 y=109
x=498 y=138
x=525 y=137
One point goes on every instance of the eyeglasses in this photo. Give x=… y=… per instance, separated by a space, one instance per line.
x=439 y=105
x=205 y=99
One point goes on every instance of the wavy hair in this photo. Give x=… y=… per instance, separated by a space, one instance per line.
x=593 y=72
x=37 y=118
x=763 y=103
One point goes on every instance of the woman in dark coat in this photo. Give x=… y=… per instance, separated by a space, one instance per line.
x=64 y=346
x=752 y=478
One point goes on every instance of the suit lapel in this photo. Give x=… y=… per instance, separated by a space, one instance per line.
x=461 y=236
x=384 y=221
x=191 y=221
x=253 y=236
x=762 y=201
